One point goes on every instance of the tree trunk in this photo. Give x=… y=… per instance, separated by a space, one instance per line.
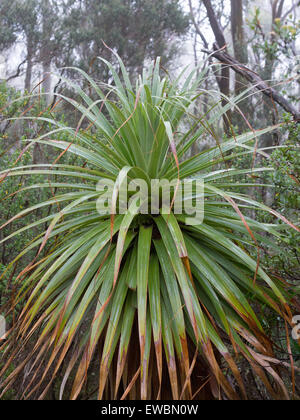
x=224 y=76
x=269 y=107
x=46 y=53
x=47 y=81
x=241 y=54
x=238 y=38
x=30 y=53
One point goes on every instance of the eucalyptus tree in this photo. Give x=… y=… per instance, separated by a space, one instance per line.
x=137 y=30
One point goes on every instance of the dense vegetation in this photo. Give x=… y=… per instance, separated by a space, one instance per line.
x=212 y=301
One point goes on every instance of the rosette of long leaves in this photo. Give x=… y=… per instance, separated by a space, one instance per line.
x=160 y=308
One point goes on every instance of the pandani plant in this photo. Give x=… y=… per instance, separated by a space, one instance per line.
x=161 y=308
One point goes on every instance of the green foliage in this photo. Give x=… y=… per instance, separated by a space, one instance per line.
x=136 y=30
x=287 y=31
x=10 y=205
x=272 y=46
x=16 y=193
x=6 y=293
x=68 y=33
x=11 y=102
x=2 y=284
x=24 y=19
x=11 y=393
x=7 y=25
x=285 y=178
x=151 y=285
x=283 y=187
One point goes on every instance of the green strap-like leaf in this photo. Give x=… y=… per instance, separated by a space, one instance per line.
x=143 y=261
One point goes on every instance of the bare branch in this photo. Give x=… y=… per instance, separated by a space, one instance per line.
x=215 y=25
x=55 y=89
x=291 y=10
x=17 y=74
x=256 y=80
x=224 y=79
x=198 y=30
